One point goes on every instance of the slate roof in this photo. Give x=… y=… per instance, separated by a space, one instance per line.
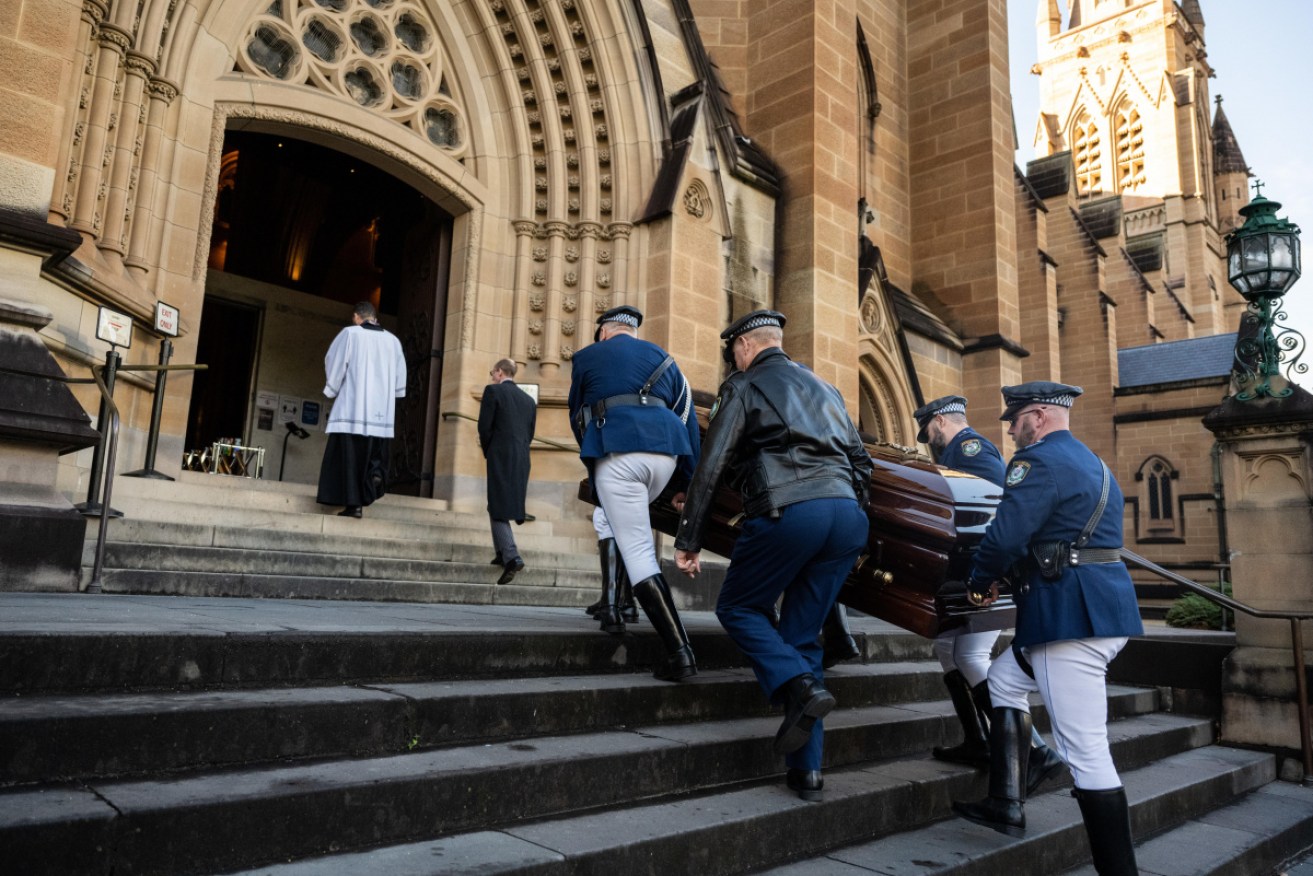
x=1227 y=157
x=1176 y=361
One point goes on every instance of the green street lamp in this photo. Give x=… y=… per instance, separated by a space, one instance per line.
x=1262 y=263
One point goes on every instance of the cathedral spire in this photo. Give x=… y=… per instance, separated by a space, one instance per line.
x=1074 y=20
x=1227 y=157
x=1048 y=18
x=1193 y=13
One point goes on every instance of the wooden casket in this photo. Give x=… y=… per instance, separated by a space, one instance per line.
x=925 y=523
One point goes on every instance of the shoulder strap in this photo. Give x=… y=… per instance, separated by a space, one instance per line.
x=656 y=375
x=1098 y=510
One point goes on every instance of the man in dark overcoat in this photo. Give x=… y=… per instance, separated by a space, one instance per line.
x=507 y=417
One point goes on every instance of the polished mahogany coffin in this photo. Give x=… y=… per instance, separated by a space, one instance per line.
x=925 y=522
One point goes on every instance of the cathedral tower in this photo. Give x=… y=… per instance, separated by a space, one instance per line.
x=1124 y=88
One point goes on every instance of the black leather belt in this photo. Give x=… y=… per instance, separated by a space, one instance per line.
x=597 y=411
x=1095 y=556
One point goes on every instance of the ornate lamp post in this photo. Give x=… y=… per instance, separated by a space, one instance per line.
x=1262 y=263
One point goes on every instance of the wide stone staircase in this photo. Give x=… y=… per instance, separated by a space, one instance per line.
x=509 y=740
x=210 y=535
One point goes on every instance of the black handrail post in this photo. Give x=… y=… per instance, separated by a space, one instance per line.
x=98 y=568
x=92 y=507
x=1301 y=689
x=152 y=440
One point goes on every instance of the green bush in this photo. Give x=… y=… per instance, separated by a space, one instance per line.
x=1199 y=613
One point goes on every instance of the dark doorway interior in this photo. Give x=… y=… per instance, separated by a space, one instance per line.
x=308 y=218
x=220 y=393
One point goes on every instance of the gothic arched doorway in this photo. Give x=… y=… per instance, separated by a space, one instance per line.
x=300 y=233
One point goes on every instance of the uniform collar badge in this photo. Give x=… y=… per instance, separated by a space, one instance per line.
x=1017 y=473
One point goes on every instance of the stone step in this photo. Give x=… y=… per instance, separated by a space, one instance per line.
x=207 y=822
x=737 y=830
x=1162 y=795
x=165 y=558
x=149 y=643
x=439 y=544
x=201 y=498
x=1255 y=836
x=81 y=737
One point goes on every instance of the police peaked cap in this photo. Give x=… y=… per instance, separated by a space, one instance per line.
x=1037 y=392
x=624 y=314
x=755 y=320
x=949 y=404
x=744 y=324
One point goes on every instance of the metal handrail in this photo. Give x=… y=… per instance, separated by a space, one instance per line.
x=453 y=415
x=111 y=449
x=1296 y=638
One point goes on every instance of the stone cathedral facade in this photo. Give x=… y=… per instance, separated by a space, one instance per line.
x=495 y=173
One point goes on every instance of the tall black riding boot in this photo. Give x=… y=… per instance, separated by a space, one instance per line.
x=609 y=614
x=625 y=587
x=1108 y=825
x=1044 y=761
x=1009 y=753
x=837 y=638
x=659 y=606
x=974 y=750
x=609 y=555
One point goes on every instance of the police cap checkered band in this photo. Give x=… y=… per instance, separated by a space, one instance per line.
x=625 y=314
x=1038 y=392
x=755 y=320
x=949 y=404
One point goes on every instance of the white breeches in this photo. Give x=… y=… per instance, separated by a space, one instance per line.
x=1071 y=678
x=626 y=483
x=968 y=653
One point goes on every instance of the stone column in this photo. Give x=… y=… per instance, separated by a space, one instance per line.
x=1267 y=476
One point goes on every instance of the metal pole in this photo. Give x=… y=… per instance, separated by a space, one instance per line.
x=152 y=440
x=92 y=507
x=1301 y=690
x=112 y=427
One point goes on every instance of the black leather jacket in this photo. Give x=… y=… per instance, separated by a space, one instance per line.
x=779 y=435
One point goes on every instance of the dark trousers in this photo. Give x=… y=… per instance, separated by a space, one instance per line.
x=805 y=554
x=354 y=470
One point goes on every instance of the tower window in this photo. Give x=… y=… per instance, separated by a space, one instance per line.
x=1087 y=156
x=1130 y=149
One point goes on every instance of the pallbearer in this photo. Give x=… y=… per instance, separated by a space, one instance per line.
x=782 y=437
x=1061 y=515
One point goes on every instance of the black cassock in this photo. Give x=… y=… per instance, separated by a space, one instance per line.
x=507 y=418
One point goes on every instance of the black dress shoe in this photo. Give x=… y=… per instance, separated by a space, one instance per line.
x=509 y=570
x=352 y=511
x=805 y=700
x=807 y=783
x=496 y=561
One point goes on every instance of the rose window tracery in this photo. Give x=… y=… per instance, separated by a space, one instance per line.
x=381 y=54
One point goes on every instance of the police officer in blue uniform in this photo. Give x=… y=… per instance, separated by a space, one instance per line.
x=964 y=655
x=632 y=413
x=957 y=446
x=782 y=437
x=1061 y=519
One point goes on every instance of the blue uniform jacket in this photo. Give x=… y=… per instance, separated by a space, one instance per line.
x=1051 y=489
x=619 y=366
x=971 y=452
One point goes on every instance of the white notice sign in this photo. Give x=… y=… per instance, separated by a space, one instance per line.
x=166 y=319
x=114 y=328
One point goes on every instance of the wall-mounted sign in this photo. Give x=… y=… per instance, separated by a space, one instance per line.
x=530 y=389
x=166 y=319
x=310 y=413
x=114 y=328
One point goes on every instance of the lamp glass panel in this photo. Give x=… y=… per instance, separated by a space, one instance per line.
x=1241 y=282
x=1233 y=262
x=1282 y=257
x=1255 y=251
x=1280 y=281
